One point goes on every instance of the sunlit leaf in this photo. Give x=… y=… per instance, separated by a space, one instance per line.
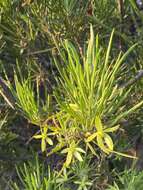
x=108 y=141
x=37 y=136
x=124 y=155
x=112 y=129
x=57 y=148
x=49 y=141
x=101 y=145
x=92 y=149
x=80 y=150
x=64 y=150
x=43 y=145
x=78 y=156
x=69 y=158
x=98 y=124
x=92 y=137
x=74 y=107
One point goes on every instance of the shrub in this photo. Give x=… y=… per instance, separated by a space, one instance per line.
x=128 y=180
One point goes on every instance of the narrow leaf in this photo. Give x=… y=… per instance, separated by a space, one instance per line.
x=49 y=141
x=78 y=156
x=108 y=141
x=43 y=145
x=91 y=137
x=112 y=129
x=69 y=158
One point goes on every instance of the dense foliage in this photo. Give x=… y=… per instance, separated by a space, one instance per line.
x=71 y=99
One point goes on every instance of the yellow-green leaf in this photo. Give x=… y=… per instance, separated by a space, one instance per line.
x=80 y=150
x=112 y=129
x=54 y=129
x=69 y=158
x=43 y=145
x=49 y=141
x=37 y=136
x=108 y=141
x=101 y=145
x=78 y=156
x=58 y=147
x=92 y=149
x=125 y=155
x=98 y=124
x=64 y=150
x=74 y=107
x=45 y=129
x=91 y=137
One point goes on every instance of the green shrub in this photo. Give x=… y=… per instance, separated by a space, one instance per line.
x=35 y=175
x=89 y=100
x=128 y=180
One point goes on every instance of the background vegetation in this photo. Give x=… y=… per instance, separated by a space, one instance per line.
x=71 y=99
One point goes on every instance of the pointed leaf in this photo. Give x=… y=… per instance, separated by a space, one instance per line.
x=57 y=148
x=124 y=155
x=43 y=145
x=98 y=124
x=45 y=129
x=78 y=156
x=74 y=107
x=101 y=145
x=80 y=150
x=108 y=141
x=65 y=150
x=92 y=149
x=37 y=136
x=112 y=129
x=91 y=137
x=69 y=158
x=49 y=141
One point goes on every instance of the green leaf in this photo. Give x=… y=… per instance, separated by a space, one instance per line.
x=74 y=107
x=49 y=141
x=57 y=148
x=92 y=149
x=69 y=158
x=37 y=136
x=80 y=150
x=43 y=145
x=45 y=129
x=101 y=145
x=91 y=137
x=64 y=151
x=108 y=141
x=109 y=48
x=124 y=155
x=126 y=113
x=112 y=129
x=78 y=156
x=98 y=124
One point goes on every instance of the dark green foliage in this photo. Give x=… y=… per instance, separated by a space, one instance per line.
x=128 y=180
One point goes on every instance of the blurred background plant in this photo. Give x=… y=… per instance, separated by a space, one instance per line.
x=129 y=180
